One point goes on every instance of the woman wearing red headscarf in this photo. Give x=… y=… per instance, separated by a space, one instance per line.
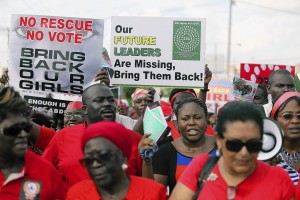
x=107 y=146
x=286 y=111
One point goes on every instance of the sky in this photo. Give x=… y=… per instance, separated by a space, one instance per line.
x=262 y=31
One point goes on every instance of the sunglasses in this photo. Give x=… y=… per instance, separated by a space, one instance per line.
x=289 y=116
x=15 y=130
x=253 y=146
x=77 y=116
x=101 y=158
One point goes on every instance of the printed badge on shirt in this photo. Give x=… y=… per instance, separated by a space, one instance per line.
x=30 y=190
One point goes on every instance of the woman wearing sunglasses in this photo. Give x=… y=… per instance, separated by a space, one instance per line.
x=107 y=147
x=237 y=174
x=286 y=111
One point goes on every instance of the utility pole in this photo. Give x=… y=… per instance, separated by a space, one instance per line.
x=231 y=2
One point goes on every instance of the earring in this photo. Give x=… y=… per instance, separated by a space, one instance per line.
x=124 y=166
x=219 y=152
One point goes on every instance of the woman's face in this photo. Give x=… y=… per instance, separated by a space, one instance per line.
x=191 y=122
x=139 y=105
x=291 y=127
x=239 y=161
x=105 y=161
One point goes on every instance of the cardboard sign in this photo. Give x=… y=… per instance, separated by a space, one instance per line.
x=54 y=54
x=259 y=73
x=158 y=51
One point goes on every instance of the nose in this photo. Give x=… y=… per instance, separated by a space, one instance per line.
x=22 y=134
x=244 y=151
x=192 y=121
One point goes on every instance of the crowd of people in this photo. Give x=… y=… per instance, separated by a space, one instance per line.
x=102 y=152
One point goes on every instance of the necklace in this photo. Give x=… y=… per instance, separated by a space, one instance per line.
x=290 y=158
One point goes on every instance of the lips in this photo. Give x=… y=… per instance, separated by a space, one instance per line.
x=108 y=113
x=294 y=130
x=21 y=144
x=192 y=132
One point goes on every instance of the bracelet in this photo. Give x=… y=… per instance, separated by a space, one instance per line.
x=204 y=90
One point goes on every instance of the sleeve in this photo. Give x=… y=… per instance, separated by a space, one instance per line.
x=161 y=160
x=189 y=177
x=135 y=162
x=46 y=134
x=51 y=152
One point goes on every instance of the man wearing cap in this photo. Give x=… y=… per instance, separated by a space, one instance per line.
x=73 y=114
x=64 y=149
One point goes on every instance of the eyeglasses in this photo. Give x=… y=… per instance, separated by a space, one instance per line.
x=14 y=130
x=289 y=116
x=252 y=145
x=101 y=158
x=69 y=116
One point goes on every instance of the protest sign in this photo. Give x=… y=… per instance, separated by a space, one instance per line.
x=54 y=54
x=158 y=51
x=259 y=73
x=242 y=90
x=219 y=92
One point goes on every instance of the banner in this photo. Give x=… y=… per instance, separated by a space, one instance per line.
x=156 y=51
x=54 y=54
x=259 y=73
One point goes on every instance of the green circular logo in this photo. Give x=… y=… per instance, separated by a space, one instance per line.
x=186 y=38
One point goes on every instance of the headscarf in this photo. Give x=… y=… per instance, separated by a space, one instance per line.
x=175 y=92
x=74 y=105
x=281 y=100
x=112 y=131
x=139 y=93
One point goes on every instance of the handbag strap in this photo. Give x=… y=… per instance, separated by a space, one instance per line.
x=208 y=166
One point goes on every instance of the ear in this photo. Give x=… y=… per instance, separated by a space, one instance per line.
x=268 y=88
x=84 y=108
x=218 y=141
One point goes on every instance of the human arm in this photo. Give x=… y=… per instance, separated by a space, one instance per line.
x=181 y=192
x=145 y=144
x=40 y=136
x=203 y=92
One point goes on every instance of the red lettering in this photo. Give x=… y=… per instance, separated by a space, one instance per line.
x=24 y=21
x=52 y=23
x=88 y=25
x=60 y=23
x=217 y=97
x=44 y=22
x=68 y=26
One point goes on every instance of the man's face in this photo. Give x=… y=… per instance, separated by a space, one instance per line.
x=280 y=84
x=14 y=136
x=100 y=105
x=139 y=105
x=259 y=97
x=73 y=116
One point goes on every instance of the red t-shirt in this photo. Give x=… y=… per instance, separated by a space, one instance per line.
x=64 y=152
x=139 y=189
x=39 y=175
x=266 y=182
